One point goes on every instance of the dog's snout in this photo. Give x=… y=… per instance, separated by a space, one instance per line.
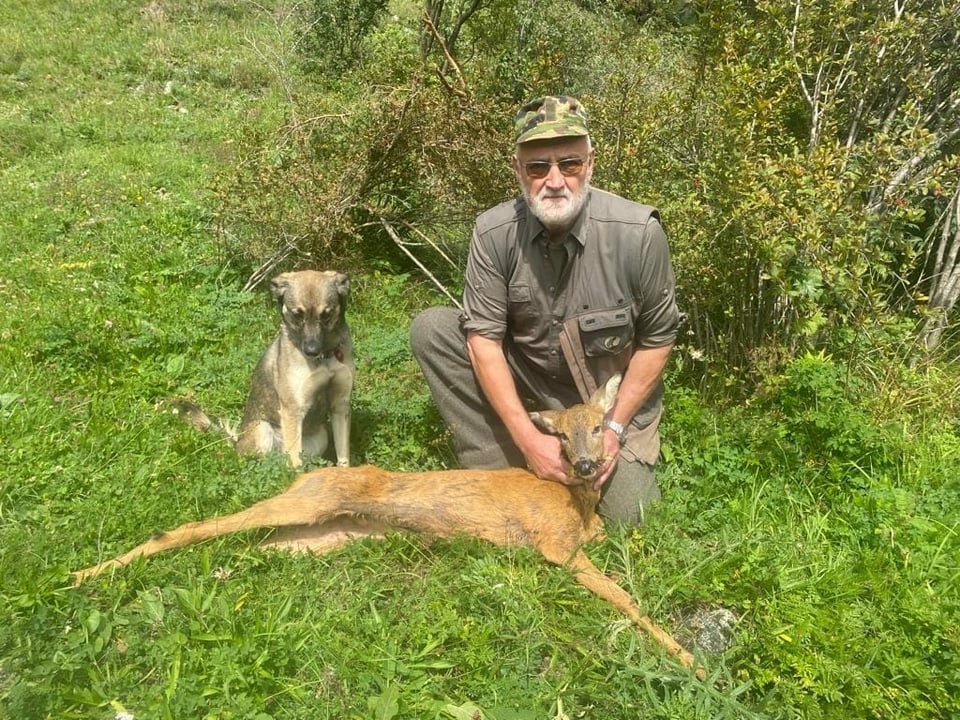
x=312 y=349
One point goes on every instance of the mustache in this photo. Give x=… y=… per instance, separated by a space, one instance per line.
x=546 y=194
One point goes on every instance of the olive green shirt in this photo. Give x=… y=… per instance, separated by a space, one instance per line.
x=616 y=293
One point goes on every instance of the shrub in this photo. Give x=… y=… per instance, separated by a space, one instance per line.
x=333 y=33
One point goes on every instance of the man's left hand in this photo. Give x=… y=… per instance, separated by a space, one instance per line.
x=611 y=448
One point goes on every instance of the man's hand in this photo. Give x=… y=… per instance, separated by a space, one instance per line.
x=545 y=459
x=611 y=451
x=542 y=451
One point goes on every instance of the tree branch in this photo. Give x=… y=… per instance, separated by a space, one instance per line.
x=404 y=248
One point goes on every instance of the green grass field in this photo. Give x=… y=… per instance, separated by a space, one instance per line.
x=834 y=539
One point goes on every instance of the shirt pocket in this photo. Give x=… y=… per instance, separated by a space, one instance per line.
x=523 y=313
x=606 y=332
x=518 y=294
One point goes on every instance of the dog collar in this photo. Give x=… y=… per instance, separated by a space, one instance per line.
x=337 y=352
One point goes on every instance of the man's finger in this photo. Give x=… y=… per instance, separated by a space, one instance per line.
x=605 y=472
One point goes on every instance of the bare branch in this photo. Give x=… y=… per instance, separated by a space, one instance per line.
x=910 y=169
x=466 y=12
x=945 y=279
x=269 y=266
x=404 y=247
x=437 y=249
x=946 y=270
x=462 y=90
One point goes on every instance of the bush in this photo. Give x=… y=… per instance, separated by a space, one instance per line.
x=333 y=33
x=408 y=166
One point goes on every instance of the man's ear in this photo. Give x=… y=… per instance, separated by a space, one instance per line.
x=545 y=420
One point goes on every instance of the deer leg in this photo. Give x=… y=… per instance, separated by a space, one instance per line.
x=281 y=510
x=591 y=578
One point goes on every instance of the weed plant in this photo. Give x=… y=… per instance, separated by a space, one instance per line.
x=826 y=520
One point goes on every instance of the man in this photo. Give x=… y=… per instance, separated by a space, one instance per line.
x=564 y=287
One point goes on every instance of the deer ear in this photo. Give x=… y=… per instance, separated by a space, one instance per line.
x=545 y=420
x=606 y=395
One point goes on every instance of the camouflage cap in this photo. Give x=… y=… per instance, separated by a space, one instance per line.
x=550 y=117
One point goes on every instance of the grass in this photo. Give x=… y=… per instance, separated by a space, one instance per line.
x=115 y=121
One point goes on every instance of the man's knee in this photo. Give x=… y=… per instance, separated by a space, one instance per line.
x=631 y=491
x=431 y=327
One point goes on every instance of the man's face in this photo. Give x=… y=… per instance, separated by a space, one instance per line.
x=554 y=196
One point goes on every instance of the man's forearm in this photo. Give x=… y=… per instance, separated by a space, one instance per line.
x=495 y=378
x=641 y=377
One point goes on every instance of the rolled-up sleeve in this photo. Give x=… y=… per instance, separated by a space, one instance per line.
x=484 y=292
x=658 y=318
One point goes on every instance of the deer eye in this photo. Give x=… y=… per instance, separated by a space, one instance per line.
x=597 y=429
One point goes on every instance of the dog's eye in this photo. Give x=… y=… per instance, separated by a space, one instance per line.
x=597 y=429
x=296 y=314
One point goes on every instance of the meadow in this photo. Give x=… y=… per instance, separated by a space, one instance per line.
x=826 y=518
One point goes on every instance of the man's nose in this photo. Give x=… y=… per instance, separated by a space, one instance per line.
x=555 y=178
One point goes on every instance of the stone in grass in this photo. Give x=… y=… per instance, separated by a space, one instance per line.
x=710 y=630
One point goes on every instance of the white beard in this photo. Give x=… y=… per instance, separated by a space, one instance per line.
x=557 y=211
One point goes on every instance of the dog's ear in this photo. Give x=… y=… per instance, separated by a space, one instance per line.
x=343 y=285
x=279 y=286
x=546 y=420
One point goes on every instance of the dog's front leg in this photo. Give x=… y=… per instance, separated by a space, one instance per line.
x=291 y=430
x=340 y=390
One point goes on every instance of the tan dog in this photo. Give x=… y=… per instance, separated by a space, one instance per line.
x=331 y=506
x=303 y=378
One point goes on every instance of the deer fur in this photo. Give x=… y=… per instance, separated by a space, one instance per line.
x=329 y=507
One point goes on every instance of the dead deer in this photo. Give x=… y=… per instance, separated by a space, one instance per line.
x=327 y=508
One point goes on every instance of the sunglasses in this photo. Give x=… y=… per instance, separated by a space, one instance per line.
x=537 y=169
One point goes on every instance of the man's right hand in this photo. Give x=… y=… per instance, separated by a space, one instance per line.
x=542 y=452
x=545 y=459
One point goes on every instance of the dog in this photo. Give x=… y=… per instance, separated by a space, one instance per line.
x=331 y=506
x=303 y=378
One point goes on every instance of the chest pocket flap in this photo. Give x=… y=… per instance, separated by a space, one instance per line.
x=519 y=293
x=606 y=332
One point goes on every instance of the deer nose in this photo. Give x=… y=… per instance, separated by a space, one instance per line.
x=584 y=468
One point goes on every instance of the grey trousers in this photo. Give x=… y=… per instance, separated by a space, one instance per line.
x=480 y=438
